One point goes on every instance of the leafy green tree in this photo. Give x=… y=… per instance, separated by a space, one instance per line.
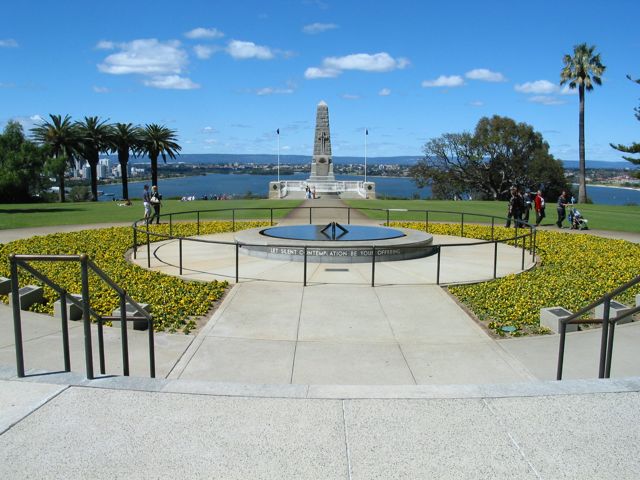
x=159 y=140
x=61 y=137
x=500 y=153
x=634 y=148
x=125 y=139
x=21 y=163
x=581 y=71
x=94 y=135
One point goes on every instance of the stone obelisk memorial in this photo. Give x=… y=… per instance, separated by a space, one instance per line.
x=322 y=179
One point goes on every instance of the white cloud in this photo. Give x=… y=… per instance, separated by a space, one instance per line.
x=8 y=43
x=334 y=66
x=205 y=51
x=384 y=92
x=98 y=89
x=146 y=57
x=35 y=118
x=568 y=91
x=105 y=45
x=539 y=87
x=274 y=91
x=315 y=72
x=208 y=130
x=476 y=103
x=485 y=75
x=546 y=100
x=349 y=96
x=171 y=82
x=444 y=81
x=315 y=28
x=244 y=50
x=204 y=33
x=210 y=141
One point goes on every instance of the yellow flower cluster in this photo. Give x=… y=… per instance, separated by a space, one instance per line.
x=175 y=302
x=574 y=270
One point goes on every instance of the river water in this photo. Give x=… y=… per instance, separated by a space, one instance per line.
x=240 y=185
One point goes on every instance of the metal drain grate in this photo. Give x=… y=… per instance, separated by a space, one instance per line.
x=336 y=269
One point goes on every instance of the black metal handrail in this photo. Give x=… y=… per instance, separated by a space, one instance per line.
x=529 y=235
x=86 y=265
x=608 y=328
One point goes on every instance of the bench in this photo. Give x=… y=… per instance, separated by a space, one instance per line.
x=550 y=318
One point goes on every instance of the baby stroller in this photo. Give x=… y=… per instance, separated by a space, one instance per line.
x=577 y=221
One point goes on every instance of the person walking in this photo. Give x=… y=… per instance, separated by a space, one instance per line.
x=562 y=208
x=514 y=208
x=539 y=206
x=156 y=202
x=526 y=200
x=146 y=202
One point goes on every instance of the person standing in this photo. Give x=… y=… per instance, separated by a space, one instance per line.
x=146 y=202
x=539 y=206
x=526 y=199
x=156 y=202
x=562 y=208
x=514 y=208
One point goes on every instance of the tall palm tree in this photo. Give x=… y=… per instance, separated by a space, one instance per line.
x=125 y=139
x=61 y=136
x=159 y=140
x=94 y=138
x=582 y=71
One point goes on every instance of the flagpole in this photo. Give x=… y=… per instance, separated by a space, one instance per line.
x=278 y=132
x=366 y=134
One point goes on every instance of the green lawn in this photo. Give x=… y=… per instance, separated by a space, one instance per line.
x=601 y=217
x=70 y=213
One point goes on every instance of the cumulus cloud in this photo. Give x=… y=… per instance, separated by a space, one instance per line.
x=315 y=28
x=244 y=50
x=98 y=89
x=205 y=51
x=546 y=100
x=444 y=81
x=8 y=43
x=201 y=32
x=105 y=45
x=485 y=75
x=274 y=91
x=568 y=91
x=384 y=92
x=171 y=82
x=377 y=62
x=208 y=130
x=539 y=87
x=146 y=57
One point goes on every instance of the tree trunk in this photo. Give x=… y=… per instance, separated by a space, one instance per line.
x=154 y=169
x=582 y=188
x=61 y=187
x=94 y=179
x=123 y=158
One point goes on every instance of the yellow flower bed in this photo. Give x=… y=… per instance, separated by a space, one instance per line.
x=574 y=271
x=174 y=302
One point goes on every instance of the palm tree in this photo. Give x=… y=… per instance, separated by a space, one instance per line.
x=94 y=138
x=61 y=136
x=125 y=139
x=158 y=140
x=582 y=71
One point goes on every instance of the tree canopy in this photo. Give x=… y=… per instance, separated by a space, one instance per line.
x=634 y=148
x=500 y=153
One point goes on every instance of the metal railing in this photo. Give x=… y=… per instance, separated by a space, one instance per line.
x=86 y=266
x=608 y=328
x=524 y=235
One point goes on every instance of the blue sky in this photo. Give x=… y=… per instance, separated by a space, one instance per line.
x=227 y=74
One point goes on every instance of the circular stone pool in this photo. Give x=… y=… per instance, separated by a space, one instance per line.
x=335 y=243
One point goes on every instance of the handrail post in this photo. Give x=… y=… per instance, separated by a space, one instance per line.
x=515 y=221
x=171 y=224
x=612 y=329
x=198 y=222
x=88 y=353
x=462 y=224
x=495 y=260
x=101 y=346
x=387 y=217
x=65 y=331
x=148 y=248
x=426 y=220
x=180 y=253
x=310 y=222
x=603 y=340
x=237 y=261
x=135 y=243
x=563 y=336
x=524 y=245
x=535 y=242
x=438 y=266
x=348 y=215
x=17 y=322
x=305 y=266
x=493 y=225
x=152 y=350
x=271 y=217
x=373 y=267
x=123 y=335
x=233 y=220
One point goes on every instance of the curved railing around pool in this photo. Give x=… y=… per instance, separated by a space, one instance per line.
x=524 y=233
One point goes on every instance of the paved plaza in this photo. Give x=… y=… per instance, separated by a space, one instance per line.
x=334 y=380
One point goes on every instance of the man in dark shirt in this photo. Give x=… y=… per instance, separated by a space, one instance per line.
x=514 y=208
x=562 y=210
